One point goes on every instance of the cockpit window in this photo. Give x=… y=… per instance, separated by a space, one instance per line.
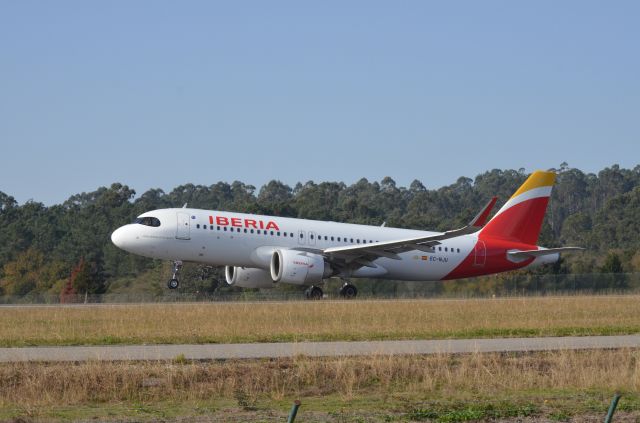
x=148 y=221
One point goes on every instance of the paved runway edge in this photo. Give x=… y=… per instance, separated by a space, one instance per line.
x=313 y=349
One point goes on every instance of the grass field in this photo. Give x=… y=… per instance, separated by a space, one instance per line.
x=553 y=385
x=318 y=321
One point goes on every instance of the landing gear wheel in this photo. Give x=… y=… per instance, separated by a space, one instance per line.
x=314 y=293
x=173 y=282
x=348 y=291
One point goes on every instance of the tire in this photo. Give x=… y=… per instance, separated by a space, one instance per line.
x=315 y=293
x=348 y=291
x=173 y=284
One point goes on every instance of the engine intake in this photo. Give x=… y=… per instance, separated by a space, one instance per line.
x=298 y=267
x=247 y=277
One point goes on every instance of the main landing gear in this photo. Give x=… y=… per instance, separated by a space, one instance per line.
x=173 y=282
x=314 y=293
x=348 y=291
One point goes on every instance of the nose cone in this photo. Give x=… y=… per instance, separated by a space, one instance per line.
x=119 y=238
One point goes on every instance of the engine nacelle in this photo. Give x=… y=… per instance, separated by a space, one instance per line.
x=298 y=267
x=247 y=277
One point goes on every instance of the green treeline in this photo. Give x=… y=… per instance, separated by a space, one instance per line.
x=40 y=247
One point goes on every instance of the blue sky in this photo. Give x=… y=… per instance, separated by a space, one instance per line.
x=156 y=94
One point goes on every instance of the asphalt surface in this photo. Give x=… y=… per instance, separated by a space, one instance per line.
x=313 y=349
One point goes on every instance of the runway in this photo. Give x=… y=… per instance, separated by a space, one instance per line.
x=313 y=349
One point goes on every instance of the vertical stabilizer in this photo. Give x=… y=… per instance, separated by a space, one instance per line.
x=520 y=219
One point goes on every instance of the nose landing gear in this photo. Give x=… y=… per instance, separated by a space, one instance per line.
x=173 y=282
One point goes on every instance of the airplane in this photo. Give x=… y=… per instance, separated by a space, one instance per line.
x=265 y=251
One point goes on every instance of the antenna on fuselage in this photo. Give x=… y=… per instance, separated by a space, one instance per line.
x=383 y=224
x=185 y=206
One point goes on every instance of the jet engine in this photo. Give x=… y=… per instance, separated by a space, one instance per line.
x=298 y=267
x=247 y=277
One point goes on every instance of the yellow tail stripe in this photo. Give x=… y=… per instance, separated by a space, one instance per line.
x=537 y=179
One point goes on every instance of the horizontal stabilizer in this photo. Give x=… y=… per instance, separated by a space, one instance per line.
x=541 y=252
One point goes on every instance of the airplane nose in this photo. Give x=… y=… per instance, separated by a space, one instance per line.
x=118 y=237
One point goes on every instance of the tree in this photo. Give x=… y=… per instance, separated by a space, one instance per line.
x=84 y=279
x=7 y=202
x=69 y=293
x=275 y=198
x=30 y=271
x=612 y=264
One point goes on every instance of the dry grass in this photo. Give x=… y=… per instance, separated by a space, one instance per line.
x=395 y=384
x=330 y=320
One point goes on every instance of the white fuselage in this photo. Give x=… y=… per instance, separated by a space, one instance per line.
x=220 y=238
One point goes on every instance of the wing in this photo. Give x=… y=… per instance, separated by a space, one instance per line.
x=364 y=254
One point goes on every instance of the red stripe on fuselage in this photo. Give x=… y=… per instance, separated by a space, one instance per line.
x=516 y=228
x=494 y=262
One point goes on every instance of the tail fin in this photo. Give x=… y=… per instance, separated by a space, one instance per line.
x=520 y=219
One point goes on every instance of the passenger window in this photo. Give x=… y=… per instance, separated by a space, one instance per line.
x=225 y=229
x=358 y=241
x=251 y=230
x=301 y=235
x=331 y=238
x=198 y=226
x=291 y=234
x=445 y=249
x=278 y=233
x=352 y=240
x=458 y=249
x=338 y=239
x=245 y=230
x=271 y=233
x=311 y=236
x=211 y=227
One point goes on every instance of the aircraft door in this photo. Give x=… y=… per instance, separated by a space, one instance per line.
x=183 y=228
x=312 y=238
x=480 y=254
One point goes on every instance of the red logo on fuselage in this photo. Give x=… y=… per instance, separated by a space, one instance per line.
x=246 y=223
